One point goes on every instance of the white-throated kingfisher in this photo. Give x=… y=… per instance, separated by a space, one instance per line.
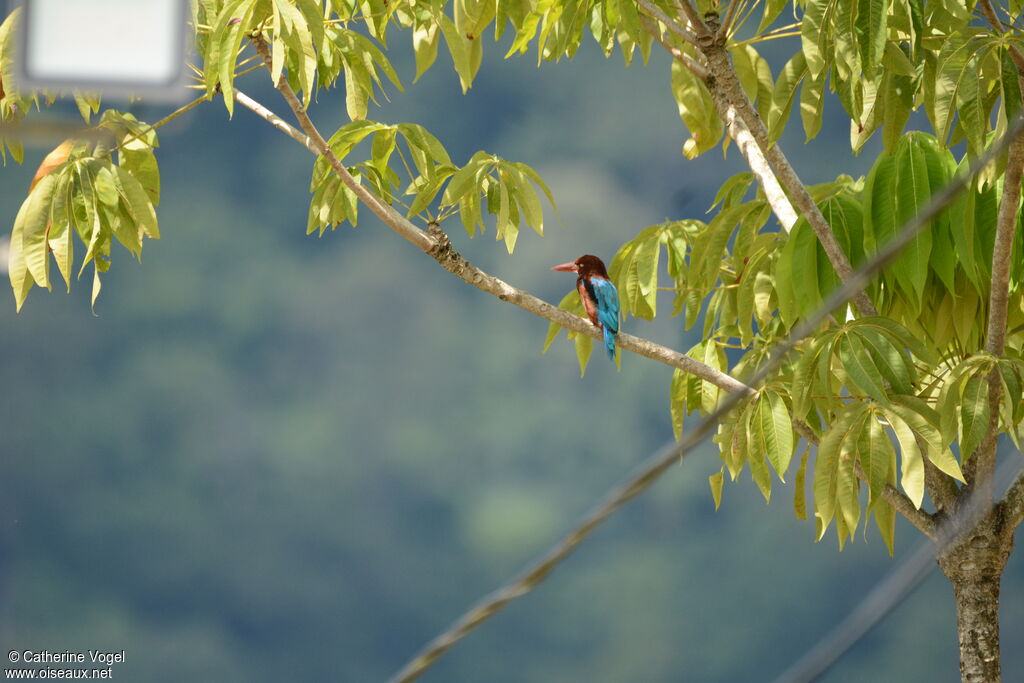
x=598 y=294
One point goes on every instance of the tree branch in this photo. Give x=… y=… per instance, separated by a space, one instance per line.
x=1006 y=226
x=981 y=467
x=687 y=10
x=391 y=218
x=724 y=78
x=1013 y=504
x=689 y=62
x=733 y=105
x=671 y=24
x=999 y=27
x=453 y=262
x=739 y=133
x=441 y=250
x=276 y=121
x=730 y=15
x=921 y=519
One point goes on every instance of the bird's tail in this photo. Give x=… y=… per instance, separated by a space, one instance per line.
x=609 y=341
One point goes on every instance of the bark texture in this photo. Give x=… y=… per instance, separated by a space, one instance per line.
x=974 y=565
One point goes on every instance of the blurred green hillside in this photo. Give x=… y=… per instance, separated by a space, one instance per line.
x=277 y=457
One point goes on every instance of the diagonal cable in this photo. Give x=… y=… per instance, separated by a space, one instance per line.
x=649 y=472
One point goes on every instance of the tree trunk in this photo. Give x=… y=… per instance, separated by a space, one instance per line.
x=974 y=565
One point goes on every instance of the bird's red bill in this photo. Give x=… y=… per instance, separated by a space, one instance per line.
x=569 y=267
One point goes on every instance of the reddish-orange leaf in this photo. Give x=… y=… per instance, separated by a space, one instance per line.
x=54 y=159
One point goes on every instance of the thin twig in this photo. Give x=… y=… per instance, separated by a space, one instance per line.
x=162 y=122
x=455 y=264
x=999 y=27
x=698 y=69
x=387 y=214
x=686 y=9
x=726 y=27
x=738 y=132
x=276 y=121
x=670 y=23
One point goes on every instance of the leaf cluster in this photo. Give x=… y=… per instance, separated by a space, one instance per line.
x=81 y=190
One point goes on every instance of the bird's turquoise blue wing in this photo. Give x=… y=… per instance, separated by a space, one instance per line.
x=607 y=303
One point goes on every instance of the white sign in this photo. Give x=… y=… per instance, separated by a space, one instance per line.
x=109 y=46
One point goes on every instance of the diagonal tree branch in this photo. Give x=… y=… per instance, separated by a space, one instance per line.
x=391 y=218
x=704 y=32
x=689 y=62
x=999 y=27
x=720 y=65
x=730 y=15
x=440 y=248
x=453 y=262
x=725 y=89
x=738 y=131
x=673 y=26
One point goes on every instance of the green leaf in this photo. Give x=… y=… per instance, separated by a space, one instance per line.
x=812 y=105
x=715 y=481
x=925 y=422
x=227 y=36
x=912 y=193
x=570 y=302
x=814 y=34
x=584 y=345
x=461 y=182
x=758 y=467
x=954 y=62
x=459 y=48
x=974 y=414
x=880 y=206
x=773 y=431
x=860 y=367
x=892 y=363
x=772 y=9
x=847 y=484
x=872 y=29
x=139 y=204
x=697 y=110
x=714 y=356
x=800 y=486
x=911 y=460
x=797 y=271
x=885 y=520
x=785 y=93
x=424 y=45
x=827 y=466
x=876 y=457
x=60 y=234
x=31 y=224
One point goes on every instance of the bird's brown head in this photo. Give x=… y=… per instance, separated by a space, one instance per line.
x=584 y=266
